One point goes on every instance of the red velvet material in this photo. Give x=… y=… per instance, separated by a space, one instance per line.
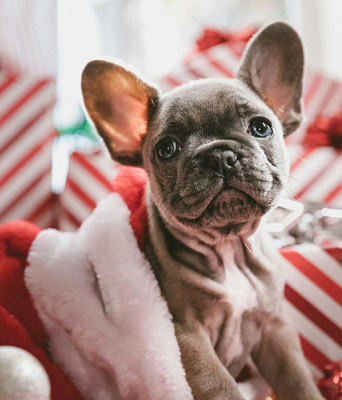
x=20 y=325
x=15 y=240
x=130 y=183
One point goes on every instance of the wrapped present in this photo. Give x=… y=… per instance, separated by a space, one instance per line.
x=216 y=55
x=316 y=175
x=27 y=132
x=316 y=164
x=89 y=179
x=310 y=239
x=331 y=384
x=325 y=131
x=313 y=294
x=28 y=65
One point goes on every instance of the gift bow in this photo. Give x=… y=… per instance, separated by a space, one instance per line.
x=325 y=131
x=237 y=40
x=331 y=384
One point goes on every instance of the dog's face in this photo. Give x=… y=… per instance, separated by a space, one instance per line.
x=215 y=156
x=213 y=149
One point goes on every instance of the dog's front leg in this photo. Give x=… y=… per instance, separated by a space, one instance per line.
x=206 y=375
x=280 y=360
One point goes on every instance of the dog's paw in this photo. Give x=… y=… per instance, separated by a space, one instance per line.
x=22 y=377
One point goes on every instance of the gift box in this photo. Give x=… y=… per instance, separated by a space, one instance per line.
x=315 y=174
x=313 y=295
x=28 y=64
x=89 y=179
x=26 y=135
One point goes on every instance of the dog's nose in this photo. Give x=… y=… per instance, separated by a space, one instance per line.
x=228 y=158
x=222 y=161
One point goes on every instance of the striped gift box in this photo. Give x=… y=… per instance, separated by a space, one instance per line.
x=28 y=60
x=316 y=175
x=89 y=179
x=314 y=300
x=26 y=135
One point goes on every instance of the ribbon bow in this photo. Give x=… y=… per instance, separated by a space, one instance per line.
x=236 y=40
x=331 y=384
x=325 y=131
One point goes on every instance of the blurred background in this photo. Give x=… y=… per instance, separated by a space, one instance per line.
x=57 y=37
x=155 y=35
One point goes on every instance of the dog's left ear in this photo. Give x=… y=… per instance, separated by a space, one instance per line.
x=273 y=67
x=120 y=103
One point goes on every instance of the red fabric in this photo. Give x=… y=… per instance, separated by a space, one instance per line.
x=130 y=183
x=20 y=325
x=15 y=240
x=235 y=40
x=325 y=131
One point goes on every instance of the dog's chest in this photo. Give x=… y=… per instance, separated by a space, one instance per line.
x=234 y=320
x=238 y=287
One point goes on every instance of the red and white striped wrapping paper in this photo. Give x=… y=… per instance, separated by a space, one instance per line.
x=89 y=179
x=316 y=175
x=26 y=135
x=28 y=65
x=313 y=295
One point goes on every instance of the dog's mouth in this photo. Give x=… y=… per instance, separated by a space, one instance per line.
x=228 y=211
x=229 y=201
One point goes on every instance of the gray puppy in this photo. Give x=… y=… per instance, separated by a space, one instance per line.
x=216 y=160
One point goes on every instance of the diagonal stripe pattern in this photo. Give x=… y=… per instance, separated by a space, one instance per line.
x=313 y=295
x=26 y=135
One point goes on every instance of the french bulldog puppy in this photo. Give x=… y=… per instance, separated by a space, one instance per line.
x=217 y=164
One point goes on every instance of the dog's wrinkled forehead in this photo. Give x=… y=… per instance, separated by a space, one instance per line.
x=211 y=106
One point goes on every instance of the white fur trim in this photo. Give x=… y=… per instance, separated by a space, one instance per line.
x=108 y=325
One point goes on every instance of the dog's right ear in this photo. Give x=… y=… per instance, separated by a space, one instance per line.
x=273 y=67
x=120 y=104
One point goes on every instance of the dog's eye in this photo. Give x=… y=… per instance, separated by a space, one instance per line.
x=168 y=149
x=260 y=128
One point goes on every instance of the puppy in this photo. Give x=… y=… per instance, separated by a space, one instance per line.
x=215 y=155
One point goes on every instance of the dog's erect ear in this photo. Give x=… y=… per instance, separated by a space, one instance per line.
x=120 y=104
x=273 y=67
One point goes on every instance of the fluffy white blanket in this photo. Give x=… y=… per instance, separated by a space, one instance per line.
x=109 y=328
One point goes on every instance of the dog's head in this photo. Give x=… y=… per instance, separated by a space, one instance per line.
x=214 y=148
